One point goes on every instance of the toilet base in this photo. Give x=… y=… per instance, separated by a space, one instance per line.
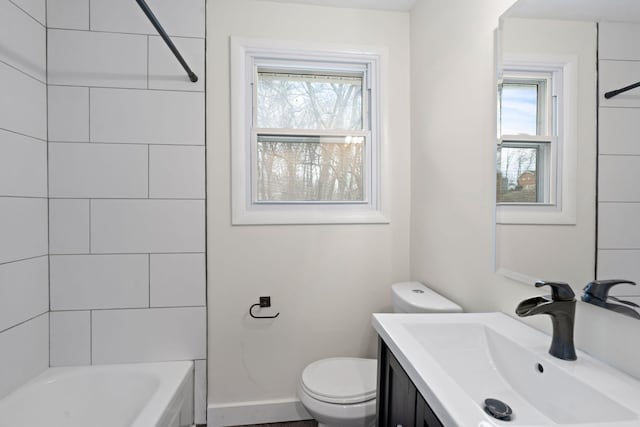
x=337 y=425
x=336 y=415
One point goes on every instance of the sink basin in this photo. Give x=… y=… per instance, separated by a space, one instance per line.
x=459 y=360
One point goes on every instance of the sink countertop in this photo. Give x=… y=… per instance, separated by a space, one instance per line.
x=455 y=406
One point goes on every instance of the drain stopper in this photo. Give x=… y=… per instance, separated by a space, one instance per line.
x=497 y=409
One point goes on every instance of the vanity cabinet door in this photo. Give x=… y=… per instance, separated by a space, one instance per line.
x=399 y=402
x=399 y=396
x=424 y=415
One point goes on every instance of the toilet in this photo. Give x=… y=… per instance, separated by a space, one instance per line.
x=341 y=391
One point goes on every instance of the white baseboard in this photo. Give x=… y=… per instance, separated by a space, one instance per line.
x=255 y=412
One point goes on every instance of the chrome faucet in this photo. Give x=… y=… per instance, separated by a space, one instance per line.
x=561 y=306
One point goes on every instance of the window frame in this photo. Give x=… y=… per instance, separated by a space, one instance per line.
x=559 y=206
x=249 y=55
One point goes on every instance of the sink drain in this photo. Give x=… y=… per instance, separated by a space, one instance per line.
x=497 y=409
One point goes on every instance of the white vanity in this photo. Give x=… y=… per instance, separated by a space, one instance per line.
x=457 y=361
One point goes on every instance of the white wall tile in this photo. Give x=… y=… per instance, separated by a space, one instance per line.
x=98 y=170
x=147 y=226
x=24 y=290
x=68 y=114
x=70 y=338
x=615 y=75
x=617 y=41
x=23 y=165
x=177 y=280
x=84 y=58
x=155 y=117
x=200 y=392
x=23 y=104
x=618 y=178
x=68 y=14
x=176 y=172
x=149 y=335
x=23 y=227
x=165 y=72
x=617 y=131
x=179 y=18
x=24 y=353
x=620 y=264
x=68 y=226
x=99 y=281
x=35 y=8
x=22 y=41
x=616 y=229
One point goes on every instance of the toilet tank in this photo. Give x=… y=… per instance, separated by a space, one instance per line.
x=414 y=297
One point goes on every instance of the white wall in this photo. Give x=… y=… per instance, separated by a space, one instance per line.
x=24 y=287
x=126 y=185
x=618 y=160
x=324 y=280
x=453 y=101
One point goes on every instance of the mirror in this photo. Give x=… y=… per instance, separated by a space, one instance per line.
x=566 y=154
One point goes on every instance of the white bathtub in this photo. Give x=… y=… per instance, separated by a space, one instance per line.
x=135 y=395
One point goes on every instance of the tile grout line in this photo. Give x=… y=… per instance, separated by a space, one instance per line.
x=91 y=337
x=30 y=15
x=24 y=321
x=90 y=202
x=149 y=273
x=46 y=62
x=10 y=196
x=185 y=91
x=147 y=62
x=115 y=253
x=29 y=75
x=24 y=134
x=89 y=114
x=149 y=171
x=117 y=143
x=23 y=259
x=167 y=199
x=125 y=33
x=136 y=308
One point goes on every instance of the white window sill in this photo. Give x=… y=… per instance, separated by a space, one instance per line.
x=535 y=214
x=290 y=216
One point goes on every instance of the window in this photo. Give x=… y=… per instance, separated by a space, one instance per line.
x=536 y=148
x=305 y=137
x=311 y=133
x=527 y=138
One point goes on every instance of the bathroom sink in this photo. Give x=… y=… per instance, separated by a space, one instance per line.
x=458 y=360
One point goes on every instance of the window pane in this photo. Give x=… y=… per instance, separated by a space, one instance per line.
x=516 y=175
x=302 y=101
x=303 y=168
x=519 y=109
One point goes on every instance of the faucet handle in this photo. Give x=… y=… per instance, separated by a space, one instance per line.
x=600 y=288
x=560 y=291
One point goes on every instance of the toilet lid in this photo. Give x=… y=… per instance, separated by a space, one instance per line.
x=342 y=380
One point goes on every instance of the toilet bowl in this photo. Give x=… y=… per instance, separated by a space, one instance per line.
x=341 y=391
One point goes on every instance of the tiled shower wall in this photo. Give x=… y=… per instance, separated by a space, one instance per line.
x=619 y=157
x=126 y=185
x=24 y=290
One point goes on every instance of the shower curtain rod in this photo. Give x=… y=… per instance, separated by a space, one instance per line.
x=613 y=93
x=145 y=8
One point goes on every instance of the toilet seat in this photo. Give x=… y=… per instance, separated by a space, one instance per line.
x=341 y=380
